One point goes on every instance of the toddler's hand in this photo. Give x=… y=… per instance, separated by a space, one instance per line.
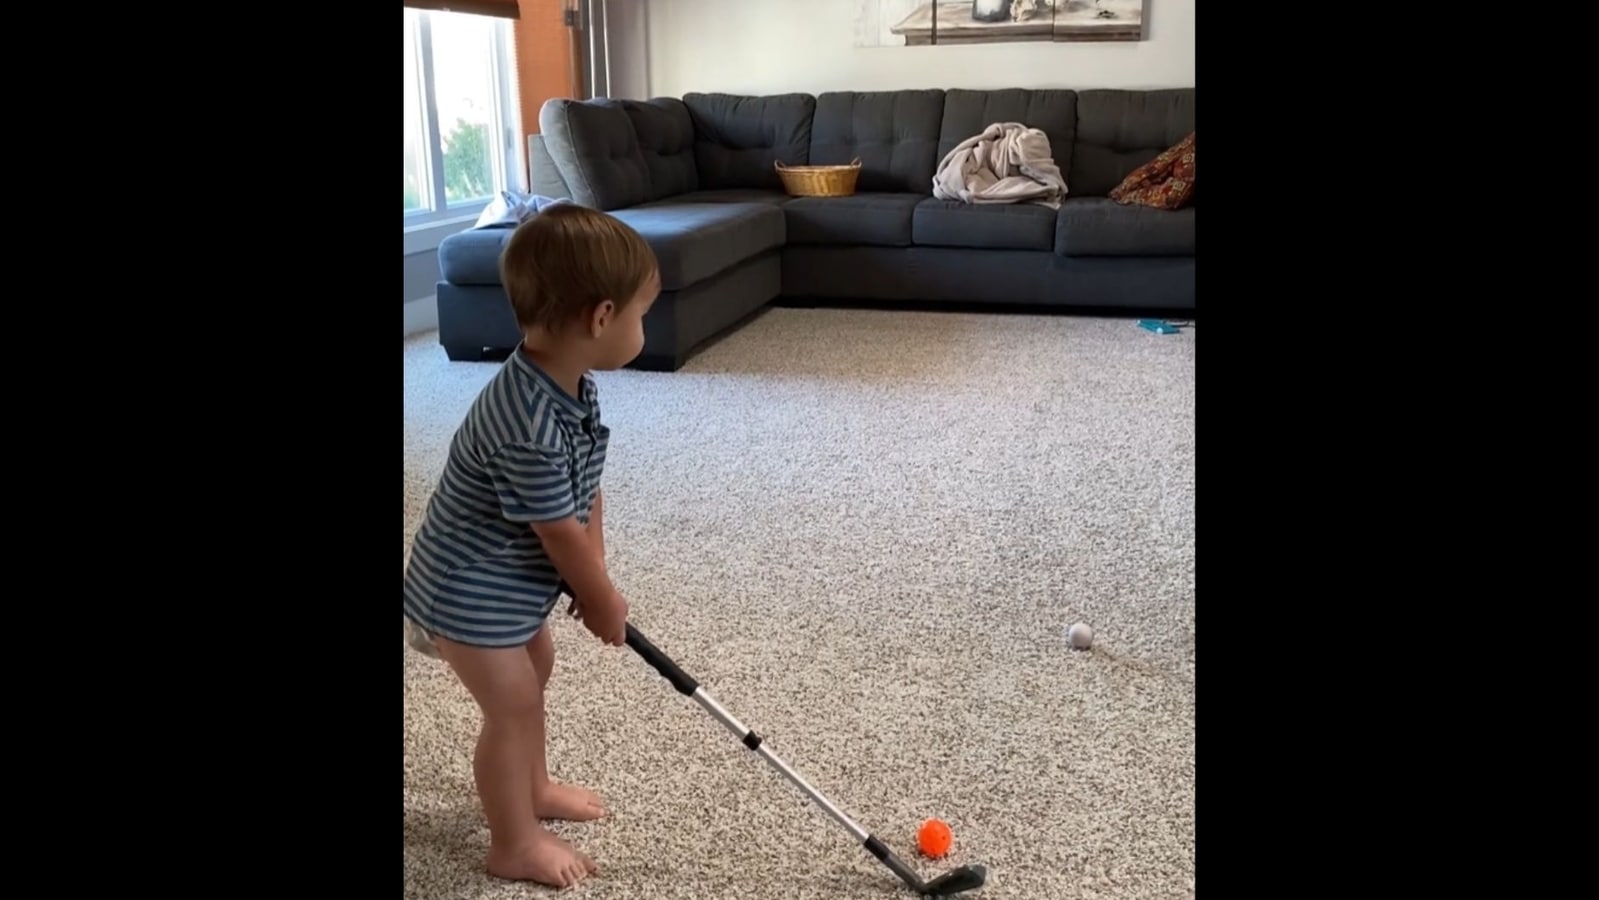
x=606 y=618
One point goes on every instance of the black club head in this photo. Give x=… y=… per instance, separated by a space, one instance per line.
x=956 y=881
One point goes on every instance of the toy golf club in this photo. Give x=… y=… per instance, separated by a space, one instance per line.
x=955 y=881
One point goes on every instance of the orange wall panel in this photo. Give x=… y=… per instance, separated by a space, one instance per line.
x=546 y=57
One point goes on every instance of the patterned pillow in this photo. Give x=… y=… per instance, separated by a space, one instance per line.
x=1165 y=182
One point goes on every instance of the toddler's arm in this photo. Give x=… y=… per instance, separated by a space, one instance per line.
x=534 y=484
x=597 y=522
x=575 y=556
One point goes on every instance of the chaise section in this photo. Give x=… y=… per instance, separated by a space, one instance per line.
x=719 y=262
x=474 y=314
x=473 y=257
x=1118 y=131
x=693 y=241
x=717 y=239
x=1096 y=226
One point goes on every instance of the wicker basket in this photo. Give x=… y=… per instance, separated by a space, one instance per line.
x=819 y=181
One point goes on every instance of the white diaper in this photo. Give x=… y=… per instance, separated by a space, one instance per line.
x=419 y=640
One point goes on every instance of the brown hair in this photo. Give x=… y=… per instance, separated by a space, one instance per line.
x=566 y=259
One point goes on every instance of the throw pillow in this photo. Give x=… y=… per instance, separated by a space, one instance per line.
x=1165 y=182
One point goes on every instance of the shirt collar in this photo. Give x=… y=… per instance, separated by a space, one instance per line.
x=577 y=409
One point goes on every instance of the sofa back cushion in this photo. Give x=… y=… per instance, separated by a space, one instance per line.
x=597 y=152
x=737 y=138
x=894 y=133
x=1119 y=130
x=666 y=138
x=1054 y=112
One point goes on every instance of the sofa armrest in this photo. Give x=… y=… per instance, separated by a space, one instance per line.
x=544 y=176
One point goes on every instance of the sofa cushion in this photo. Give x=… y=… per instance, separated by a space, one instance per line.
x=597 y=152
x=1054 y=112
x=1099 y=226
x=879 y=220
x=1118 y=131
x=893 y=133
x=693 y=241
x=736 y=139
x=473 y=256
x=666 y=140
x=729 y=195
x=987 y=226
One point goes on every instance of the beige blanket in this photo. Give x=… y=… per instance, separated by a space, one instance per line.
x=1007 y=163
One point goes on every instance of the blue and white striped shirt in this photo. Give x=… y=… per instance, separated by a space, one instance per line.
x=527 y=452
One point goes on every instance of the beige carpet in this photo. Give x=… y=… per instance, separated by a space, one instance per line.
x=865 y=533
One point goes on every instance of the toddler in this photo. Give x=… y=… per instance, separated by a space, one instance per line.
x=519 y=510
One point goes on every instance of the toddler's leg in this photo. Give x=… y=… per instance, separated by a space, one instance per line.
x=507 y=690
x=552 y=800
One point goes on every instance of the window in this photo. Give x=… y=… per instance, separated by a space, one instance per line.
x=462 y=134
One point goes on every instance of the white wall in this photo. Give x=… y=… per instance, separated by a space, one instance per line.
x=773 y=46
x=630 y=50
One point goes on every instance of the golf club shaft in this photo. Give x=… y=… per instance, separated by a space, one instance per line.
x=688 y=687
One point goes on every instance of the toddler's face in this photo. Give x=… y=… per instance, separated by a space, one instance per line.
x=623 y=337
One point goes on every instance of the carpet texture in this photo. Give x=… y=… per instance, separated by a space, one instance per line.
x=865 y=534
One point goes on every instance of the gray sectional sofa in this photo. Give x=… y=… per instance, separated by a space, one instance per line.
x=695 y=177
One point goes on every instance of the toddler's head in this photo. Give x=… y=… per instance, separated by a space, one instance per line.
x=580 y=282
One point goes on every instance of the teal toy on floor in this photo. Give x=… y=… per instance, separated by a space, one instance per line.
x=1164 y=326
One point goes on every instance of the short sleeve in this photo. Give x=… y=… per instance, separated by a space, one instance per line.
x=533 y=481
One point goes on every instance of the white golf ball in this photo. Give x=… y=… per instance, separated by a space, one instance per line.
x=1080 y=636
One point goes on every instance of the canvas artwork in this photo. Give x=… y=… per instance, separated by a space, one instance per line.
x=919 y=23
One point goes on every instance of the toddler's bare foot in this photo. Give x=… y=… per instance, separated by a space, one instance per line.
x=546 y=859
x=565 y=801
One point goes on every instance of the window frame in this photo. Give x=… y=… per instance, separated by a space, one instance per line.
x=505 y=153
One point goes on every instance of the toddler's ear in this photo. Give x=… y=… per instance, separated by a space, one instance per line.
x=601 y=317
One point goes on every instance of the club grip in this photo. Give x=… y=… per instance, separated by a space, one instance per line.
x=661 y=663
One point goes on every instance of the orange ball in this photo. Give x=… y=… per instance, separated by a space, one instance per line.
x=934 y=838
